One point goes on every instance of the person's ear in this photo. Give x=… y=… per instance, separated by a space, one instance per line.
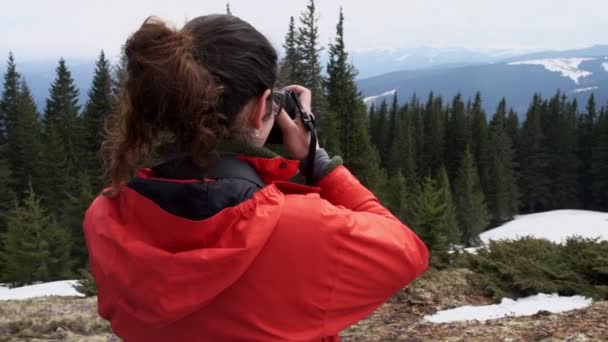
x=259 y=110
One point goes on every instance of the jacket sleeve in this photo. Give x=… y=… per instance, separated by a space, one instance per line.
x=374 y=255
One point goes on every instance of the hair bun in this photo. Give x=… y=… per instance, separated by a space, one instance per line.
x=155 y=44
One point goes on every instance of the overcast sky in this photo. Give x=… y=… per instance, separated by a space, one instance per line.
x=80 y=28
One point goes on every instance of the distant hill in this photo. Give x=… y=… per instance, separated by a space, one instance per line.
x=576 y=73
x=444 y=71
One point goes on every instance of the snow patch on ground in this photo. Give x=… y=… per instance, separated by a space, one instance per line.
x=580 y=90
x=372 y=98
x=568 y=67
x=555 y=226
x=521 y=307
x=56 y=288
x=605 y=66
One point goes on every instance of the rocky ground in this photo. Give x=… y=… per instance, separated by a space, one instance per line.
x=400 y=319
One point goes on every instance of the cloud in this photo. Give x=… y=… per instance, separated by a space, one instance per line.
x=72 y=28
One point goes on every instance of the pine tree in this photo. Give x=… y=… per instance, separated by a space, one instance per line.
x=344 y=99
x=62 y=112
x=479 y=140
x=503 y=192
x=98 y=106
x=458 y=135
x=535 y=186
x=35 y=247
x=402 y=156
x=71 y=220
x=291 y=64
x=470 y=201
x=25 y=143
x=8 y=102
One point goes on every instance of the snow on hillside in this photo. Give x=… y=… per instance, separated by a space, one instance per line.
x=580 y=90
x=372 y=98
x=56 y=288
x=555 y=226
x=568 y=67
x=521 y=307
x=605 y=65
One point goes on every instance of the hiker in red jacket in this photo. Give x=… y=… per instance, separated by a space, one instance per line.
x=200 y=235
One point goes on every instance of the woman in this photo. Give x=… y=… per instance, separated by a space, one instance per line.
x=211 y=243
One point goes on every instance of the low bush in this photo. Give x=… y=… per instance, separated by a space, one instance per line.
x=527 y=266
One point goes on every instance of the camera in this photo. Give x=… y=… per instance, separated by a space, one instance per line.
x=288 y=101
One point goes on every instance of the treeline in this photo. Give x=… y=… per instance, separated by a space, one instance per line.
x=441 y=167
x=49 y=172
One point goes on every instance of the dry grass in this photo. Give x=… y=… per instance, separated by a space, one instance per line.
x=400 y=319
x=52 y=319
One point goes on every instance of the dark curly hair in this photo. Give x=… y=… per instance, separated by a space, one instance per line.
x=183 y=90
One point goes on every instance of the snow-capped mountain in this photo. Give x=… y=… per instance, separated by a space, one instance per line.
x=516 y=79
x=372 y=62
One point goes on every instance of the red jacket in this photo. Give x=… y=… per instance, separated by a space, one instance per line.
x=293 y=263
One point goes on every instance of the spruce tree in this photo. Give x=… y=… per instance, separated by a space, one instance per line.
x=7 y=194
x=479 y=140
x=54 y=184
x=25 y=143
x=559 y=130
x=291 y=68
x=395 y=195
x=429 y=215
x=62 y=112
x=8 y=102
x=344 y=100
x=36 y=249
x=392 y=135
x=586 y=125
x=458 y=135
x=535 y=186
x=600 y=163
x=72 y=217
x=379 y=127
x=434 y=128
x=119 y=76
x=98 y=106
x=512 y=126
x=307 y=44
x=228 y=11
x=473 y=215
x=503 y=192
x=451 y=220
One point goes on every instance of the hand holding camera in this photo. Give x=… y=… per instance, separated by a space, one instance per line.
x=295 y=121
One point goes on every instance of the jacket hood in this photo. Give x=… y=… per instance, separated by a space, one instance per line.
x=167 y=267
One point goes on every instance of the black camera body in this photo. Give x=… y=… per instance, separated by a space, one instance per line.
x=289 y=102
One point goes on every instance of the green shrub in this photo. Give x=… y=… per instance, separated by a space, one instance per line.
x=86 y=285
x=516 y=268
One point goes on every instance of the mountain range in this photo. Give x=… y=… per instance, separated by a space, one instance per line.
x=577 y=73
x=446 y=72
